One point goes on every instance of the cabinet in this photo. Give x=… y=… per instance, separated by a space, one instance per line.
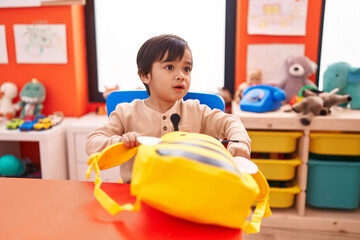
x=52 y=144
x=301 y=216
x=76 y=134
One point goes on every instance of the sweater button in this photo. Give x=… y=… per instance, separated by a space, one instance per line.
x=165 y=128
x=164 y=117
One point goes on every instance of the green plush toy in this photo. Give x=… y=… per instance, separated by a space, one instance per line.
x=32 y=96
x=318 y=103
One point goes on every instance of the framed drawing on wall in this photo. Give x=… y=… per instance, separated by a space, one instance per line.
x=3 y=48
x=43 y=43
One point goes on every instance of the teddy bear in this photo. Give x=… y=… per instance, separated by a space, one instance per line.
x=318 y=103
x=298 y=69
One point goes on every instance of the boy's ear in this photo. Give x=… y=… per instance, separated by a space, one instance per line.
x=145 y=78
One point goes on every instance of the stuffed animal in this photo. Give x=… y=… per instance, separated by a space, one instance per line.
x=341 y=75
x=8 y=92
x=318 y=103
x=298 y=69
x=32 y=95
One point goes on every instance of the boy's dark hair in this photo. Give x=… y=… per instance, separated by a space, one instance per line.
x=155 y=49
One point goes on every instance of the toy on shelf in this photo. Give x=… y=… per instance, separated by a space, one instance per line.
x=299 y=97
x=262 y=98
x=11 y=166
x=14 y=123
x=56 y=118
x=227 y=96
x=199 y=165
x=8 y=91
x=29 y=123
x=43 y=124
x=345 y=77
x=318 y=103
x=32 y=96
x=298 y=69
x=253 y=77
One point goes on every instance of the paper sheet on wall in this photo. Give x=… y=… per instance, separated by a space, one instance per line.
x=270 y=59
x=19 y=3
x=3 y=48
x=277 y=17
x=42 y=43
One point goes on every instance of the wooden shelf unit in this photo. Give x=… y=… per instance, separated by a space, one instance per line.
x=301 y=216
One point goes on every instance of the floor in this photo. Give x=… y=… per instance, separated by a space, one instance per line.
x=292 y=234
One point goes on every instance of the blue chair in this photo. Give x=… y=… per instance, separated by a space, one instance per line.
x=212 y=100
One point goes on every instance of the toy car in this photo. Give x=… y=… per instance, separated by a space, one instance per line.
x=43 y=123
x=15 y=123
x=27 y=125
x=56 y=118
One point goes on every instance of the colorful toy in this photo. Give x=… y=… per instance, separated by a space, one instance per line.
x=8 y=91
x=11 y=166
x=42 y=124
x=345 y=77
x=14 y=123
x=262 y=98
x=190 y=176
x=298 y=69
x=56 y=118
x=32 y=96
x=318 y=103
x=253 y=77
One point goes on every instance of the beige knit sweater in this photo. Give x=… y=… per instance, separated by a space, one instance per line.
x=194 y=117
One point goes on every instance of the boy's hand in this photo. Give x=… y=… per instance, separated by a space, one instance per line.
x=129 y=139
x=239 y=149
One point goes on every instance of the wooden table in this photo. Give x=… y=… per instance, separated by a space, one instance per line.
x=60 y=209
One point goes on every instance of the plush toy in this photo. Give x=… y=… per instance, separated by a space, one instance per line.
x=253 y=77
x=318 y=103
x=32 y=96
x=341 y=75
x=298 y=69
x=227 y=96
x=8 y=92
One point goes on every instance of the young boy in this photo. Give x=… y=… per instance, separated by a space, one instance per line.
x=164 y=66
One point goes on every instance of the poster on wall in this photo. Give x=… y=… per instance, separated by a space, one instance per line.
x=277 y=17
x=41 y=43
x=19 y=3
x=270 y=59
x=3 y=48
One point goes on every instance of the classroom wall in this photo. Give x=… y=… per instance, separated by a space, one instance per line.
x=66 y=84
x=310 y=40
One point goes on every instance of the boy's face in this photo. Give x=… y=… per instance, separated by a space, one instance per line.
x=170 y=80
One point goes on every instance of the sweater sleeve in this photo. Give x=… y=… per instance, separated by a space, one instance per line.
x=222 y=125
x=110 y=133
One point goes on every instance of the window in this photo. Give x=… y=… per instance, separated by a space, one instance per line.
x=340 y=35
x=116 y=29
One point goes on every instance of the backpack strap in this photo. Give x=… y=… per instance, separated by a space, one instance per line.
x=108 y=158
x=262 y=207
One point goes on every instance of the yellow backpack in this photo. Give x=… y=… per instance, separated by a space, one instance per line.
x=190 y=176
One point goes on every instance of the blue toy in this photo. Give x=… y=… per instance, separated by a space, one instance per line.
x=262 y=98
x=341 y=75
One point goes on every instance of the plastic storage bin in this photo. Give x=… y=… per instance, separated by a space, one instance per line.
x=333 y=184
x=283 y=197
x=281 y=170
x=273 y=141
x=335 y=143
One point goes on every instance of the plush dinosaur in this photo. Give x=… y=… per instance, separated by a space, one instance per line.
x=318 y=103
x=32 y=95
x=345 y=77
